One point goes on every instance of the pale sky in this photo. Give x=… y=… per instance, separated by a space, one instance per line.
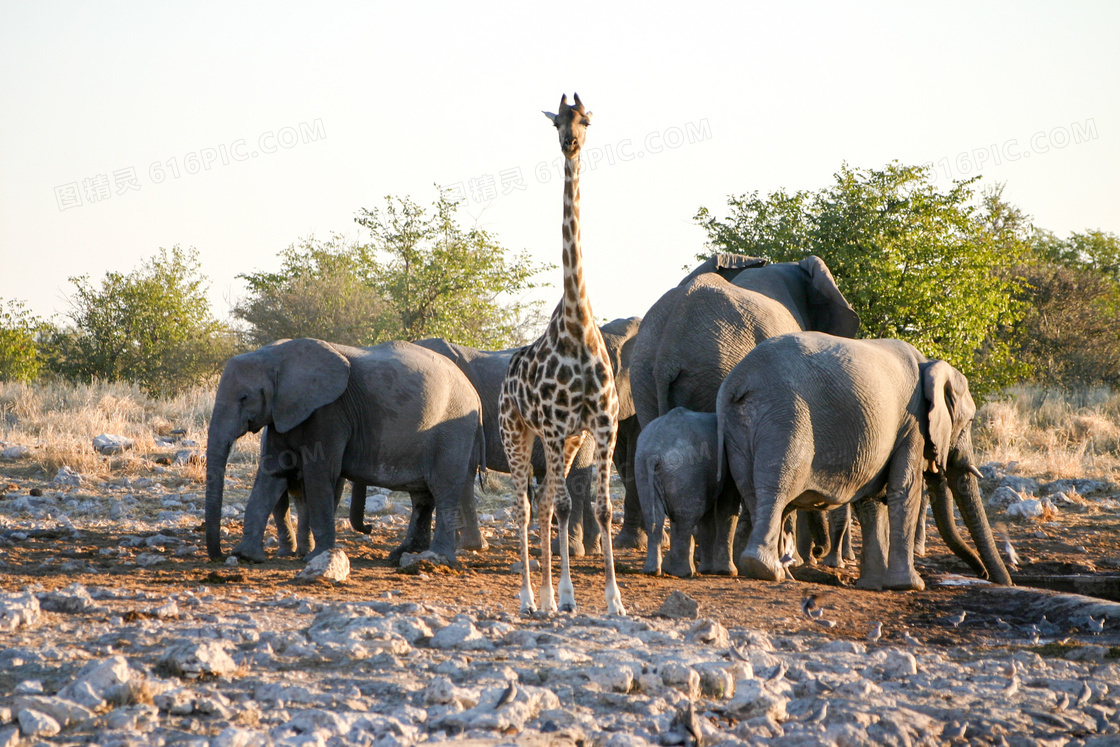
x=238 y=128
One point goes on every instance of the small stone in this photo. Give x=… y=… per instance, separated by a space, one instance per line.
x=460 y=635
x=753 y=699
x=193 y=659
x=331 y=566
x=1002 y=497
x=19 y=610
x=681 y=677
x=679 y=605
x=899 y=664
x=28 y=687
x=15 y=452
x=148 y=559
x=67 y=476
x=110 y=444
x=37 y=724
x=9 y=736
x=709 y=632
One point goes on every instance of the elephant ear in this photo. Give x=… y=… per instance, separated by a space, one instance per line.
x=950 y=405
x=726 y=265
x=310 y=374
x=828 y=309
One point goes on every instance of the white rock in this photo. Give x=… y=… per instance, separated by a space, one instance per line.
x=614 y=678
x=1028 y=509
x=235 y=737
x=462 y=635
x=28 y=687
x=9 y=736
x=1002 y=497
x=709 y=632
x=37 y=724
x=899 y=664
x=681 y=677
x=98 y=682
x=194 y=659
x=108 y=443
x=15 y=452
x=753 y=699
x=66 y=712
x=67 y=476
x=19 y=610
x=331 y=566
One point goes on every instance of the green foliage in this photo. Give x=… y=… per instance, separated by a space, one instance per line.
x=916 y=263
x=323 y=290
x=445 y=281
x=1071 y=333
x=152 y=326
x=19 y=355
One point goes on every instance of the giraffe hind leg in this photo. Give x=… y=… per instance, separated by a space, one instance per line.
x=604 y=446
x=517 y=440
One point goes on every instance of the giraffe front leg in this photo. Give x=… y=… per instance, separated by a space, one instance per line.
x=563 y=516
x=518 y=444
x=521 y=516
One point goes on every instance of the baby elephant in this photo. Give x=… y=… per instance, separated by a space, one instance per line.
x=809 y=420
x=675 y=469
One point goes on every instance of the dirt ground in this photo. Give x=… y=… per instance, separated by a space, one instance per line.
x=1084 y=539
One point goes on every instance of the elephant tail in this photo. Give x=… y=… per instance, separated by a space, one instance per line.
x=480 y=444
x=659 y=506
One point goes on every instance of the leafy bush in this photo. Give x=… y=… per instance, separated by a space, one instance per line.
x=152 y=326
x=19 y=355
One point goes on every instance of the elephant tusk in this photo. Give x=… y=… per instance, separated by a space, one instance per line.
x=978 y=474
x=932 y=466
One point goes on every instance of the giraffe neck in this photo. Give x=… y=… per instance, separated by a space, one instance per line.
x=576 y=305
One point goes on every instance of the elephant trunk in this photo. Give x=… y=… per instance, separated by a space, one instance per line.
x=947 y=525
x=217 y=454
x=966 y=491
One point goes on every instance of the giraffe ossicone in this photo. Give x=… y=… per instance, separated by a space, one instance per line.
x=560 y=388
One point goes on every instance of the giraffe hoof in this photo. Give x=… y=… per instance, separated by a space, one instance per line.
x=568 y=607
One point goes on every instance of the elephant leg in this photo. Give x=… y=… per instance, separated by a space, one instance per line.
x=762 y=557
x=633 y=533
x=849 y=553
x=718 y=527
x=920 y=530
x=904 y=498
x=653 y=513
x=583 y=531
x=321 y=490
x=285 y=528
x=787 y=546
x=804 y=534
x=679 y=561
x=470 y=534
x=872 y=515
x=418 y=538
x=839 y=536
x=263 y=499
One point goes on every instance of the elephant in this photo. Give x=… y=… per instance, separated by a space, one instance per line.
x=486 y=370
x=811 y=420
x=675 y=467
x=394 y=415
x=695 y=333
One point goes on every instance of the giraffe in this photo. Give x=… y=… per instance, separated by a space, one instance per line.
x=558 y=388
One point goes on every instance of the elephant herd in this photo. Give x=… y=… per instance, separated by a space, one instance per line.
x=743 y=399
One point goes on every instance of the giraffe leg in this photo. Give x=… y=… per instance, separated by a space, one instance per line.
x=518 y=442
x=563 y=516
x=553 y=477
x=604 y=447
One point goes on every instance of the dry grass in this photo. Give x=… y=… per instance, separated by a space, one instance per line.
x=58 y=422
x=1049 y=433
x=1053 y=433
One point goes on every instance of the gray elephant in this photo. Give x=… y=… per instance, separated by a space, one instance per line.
x=394 y=415
x=486 y=370
x=695 y=333
x=810 y=420
x=675 y=467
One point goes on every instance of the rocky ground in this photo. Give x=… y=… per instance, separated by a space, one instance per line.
x=115 y=630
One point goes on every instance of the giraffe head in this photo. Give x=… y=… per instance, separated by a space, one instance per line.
x=571 y=122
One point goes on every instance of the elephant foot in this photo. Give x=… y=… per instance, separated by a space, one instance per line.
x=869 y=583
x=474 y=542
x=251 y=553
x=316 y=553
x=905 y=582
x=719 y=570
x=677 y=567
x=832 y=560
x=630 y=538
x=575 y=547
x=754 y=564
x=651 y=569
x=286 y=552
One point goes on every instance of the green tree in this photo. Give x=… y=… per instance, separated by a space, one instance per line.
x=917 y=263
x=19 y=354
x=442 y=280
x=1070 y=334
x=152 y=326
x=323 y=290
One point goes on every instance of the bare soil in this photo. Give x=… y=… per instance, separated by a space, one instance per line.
x=1081 y=540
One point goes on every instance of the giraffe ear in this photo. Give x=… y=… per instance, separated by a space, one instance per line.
x=550 y=115
x=587 y=118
